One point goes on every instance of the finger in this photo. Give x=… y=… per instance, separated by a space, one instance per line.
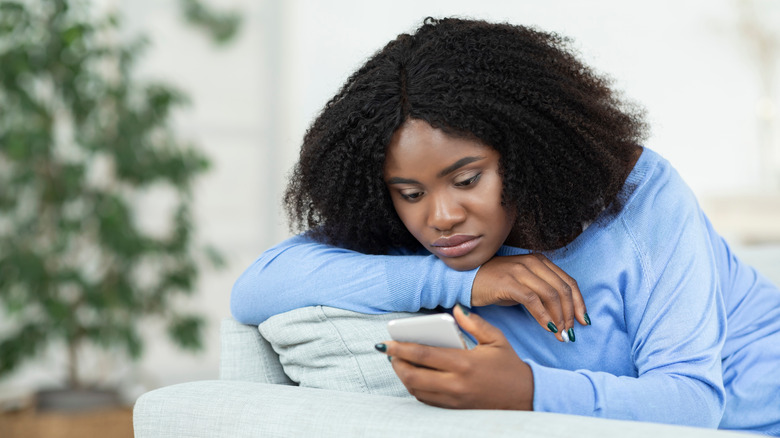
x=540 y=299
x=435 y=358
x=433 y=387
x=484 y=332
x=416 y=378
x=534 y=305
x=580 y=310
x=552 y=275
x=438 y=399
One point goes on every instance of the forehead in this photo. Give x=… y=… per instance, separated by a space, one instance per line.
x=418 y=147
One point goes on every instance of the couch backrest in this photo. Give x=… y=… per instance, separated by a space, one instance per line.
x=246 y=356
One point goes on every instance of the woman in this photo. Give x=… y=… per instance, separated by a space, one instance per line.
x=483 y=165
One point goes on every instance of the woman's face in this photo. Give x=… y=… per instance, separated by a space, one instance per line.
x=447 y=191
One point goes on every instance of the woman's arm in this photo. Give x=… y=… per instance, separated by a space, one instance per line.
x=301 y=272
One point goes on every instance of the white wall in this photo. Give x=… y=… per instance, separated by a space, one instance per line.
x=685 y=61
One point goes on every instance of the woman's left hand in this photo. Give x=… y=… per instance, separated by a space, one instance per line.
x=490 y=376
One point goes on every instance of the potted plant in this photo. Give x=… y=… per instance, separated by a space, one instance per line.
x=82 y=139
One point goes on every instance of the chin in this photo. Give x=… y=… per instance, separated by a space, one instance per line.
x=462 y=263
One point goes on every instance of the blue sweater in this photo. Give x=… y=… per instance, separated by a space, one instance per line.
x=682 y=331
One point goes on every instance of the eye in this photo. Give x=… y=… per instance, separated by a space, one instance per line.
x=410 y=196
x=469 y=181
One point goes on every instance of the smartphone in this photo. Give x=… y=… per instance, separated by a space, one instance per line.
x=437 y=330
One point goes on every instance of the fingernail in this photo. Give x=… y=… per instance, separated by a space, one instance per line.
x=389 y=358
x=587 y=318
x=464 y=310
x=564 y=336
x=381 y=347
x=571 y=334
x=552 y=327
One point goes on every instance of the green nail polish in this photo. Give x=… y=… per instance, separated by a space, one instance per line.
x=552 y=327
x=571 y=334
x=389 y=358
x=464 y=310
x=587 y=318
x=381 y=347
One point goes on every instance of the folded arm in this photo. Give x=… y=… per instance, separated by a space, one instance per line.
x=301 y=272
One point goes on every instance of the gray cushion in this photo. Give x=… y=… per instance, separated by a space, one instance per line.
x=329 y=348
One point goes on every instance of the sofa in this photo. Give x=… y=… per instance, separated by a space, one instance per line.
x=314 y=372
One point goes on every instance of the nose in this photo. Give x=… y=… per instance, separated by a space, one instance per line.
x=445 y=212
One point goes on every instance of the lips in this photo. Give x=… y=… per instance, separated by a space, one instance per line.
x=454 y=246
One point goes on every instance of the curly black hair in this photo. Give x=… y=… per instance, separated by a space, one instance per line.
x=565 y=139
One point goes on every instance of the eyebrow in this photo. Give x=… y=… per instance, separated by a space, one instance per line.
x=447 y=170
x=458 y=164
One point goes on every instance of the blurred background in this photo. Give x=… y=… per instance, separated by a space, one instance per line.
x=705 y=70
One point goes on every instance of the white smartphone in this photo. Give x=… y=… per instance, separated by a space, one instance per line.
x=437 y=330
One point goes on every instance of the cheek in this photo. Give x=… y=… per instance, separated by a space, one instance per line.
x=408 y=216
x=488 y=199
x=489 y=207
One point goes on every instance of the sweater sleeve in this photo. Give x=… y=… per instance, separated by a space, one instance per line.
x=677 y=322
x=301 y=272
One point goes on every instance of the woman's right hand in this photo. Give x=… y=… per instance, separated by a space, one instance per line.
x=550 y=294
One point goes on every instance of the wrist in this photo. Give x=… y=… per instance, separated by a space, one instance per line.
x=525 y=399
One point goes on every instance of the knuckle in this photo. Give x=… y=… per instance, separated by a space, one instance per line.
x=410 y=379
x=528 y=297
x=551 y=294
x=458 y=388
x=422 y=355
x=401 y=373
x=519 y=270
x=463 y=367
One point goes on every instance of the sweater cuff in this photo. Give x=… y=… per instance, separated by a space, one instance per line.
x=562 y=391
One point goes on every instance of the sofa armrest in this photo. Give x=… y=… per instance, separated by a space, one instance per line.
x=244 y=409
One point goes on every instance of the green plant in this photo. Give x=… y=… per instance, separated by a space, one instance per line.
x=81 y=140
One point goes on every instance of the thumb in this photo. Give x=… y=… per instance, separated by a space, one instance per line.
x=477 y=327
